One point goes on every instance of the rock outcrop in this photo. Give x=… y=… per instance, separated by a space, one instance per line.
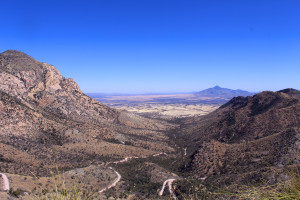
x=41 y=85
x=46 y=120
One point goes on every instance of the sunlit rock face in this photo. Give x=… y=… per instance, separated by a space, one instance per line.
x=41 y=84
x=38 y=84
x=47 y=121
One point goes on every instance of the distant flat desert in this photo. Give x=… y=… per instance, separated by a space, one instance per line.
x=173 y=110
x=162 y=105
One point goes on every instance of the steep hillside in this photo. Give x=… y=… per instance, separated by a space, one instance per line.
x=46 y=121
x=217 y=91
x=40 y=85
x=246 y=139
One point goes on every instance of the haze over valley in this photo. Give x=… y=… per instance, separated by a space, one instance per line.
x=171 y=105
x=150 y=100
x=49 y=126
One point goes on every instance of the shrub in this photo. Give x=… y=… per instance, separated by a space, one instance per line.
x=192 y=190
x=61 y=192
x=288 y=190
x=15 y=193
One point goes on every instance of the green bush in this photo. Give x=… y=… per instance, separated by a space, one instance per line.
x=15 y=193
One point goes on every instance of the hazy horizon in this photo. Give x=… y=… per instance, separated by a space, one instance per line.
x=160 y=46
x=156 y=93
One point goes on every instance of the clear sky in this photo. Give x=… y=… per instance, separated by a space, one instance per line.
x=144 y=46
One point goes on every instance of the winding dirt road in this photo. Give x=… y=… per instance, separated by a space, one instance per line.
x=158 y=154
x=5 y=182
x=169 y=182
x=117 y=173
x=119 y=176
x=124 y=160
x=113 y=183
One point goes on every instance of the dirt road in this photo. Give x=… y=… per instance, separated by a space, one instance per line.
x=126 y=159
x=113 y=183
x=169 y=182
x=5 y=182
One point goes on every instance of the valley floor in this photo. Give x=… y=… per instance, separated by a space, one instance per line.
x=167 y=111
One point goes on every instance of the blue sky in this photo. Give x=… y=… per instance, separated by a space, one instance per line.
x=144 y=46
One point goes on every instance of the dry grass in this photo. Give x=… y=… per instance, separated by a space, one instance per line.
x=166 y=105
x=62 y=192
x=88 y=180
x=172 y=110
x=288 y=190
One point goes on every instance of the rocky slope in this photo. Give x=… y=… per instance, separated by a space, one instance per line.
x=47 y=121
x=41 y=85
x=246 y=139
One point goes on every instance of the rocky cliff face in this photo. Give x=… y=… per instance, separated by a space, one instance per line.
x=46 y=121
x=246 y=137
x=41 y=85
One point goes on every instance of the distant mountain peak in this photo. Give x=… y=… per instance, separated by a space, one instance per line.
x=218 y=91
x=217 y=87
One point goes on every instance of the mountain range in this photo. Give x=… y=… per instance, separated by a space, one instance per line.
x=48 y=123
x=246 y=140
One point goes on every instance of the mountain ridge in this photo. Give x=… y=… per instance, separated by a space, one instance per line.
x=218 y=91
x=48 y=123
x=247 y=131
x=43 y=111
